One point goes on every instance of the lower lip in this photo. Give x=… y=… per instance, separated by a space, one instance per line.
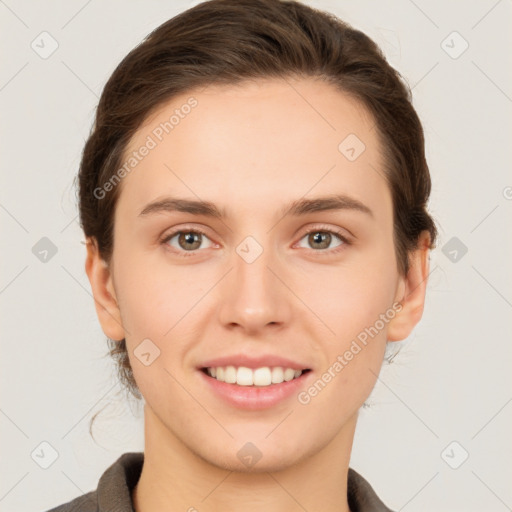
x=255 y=397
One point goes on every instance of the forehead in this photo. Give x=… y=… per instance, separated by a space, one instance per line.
x=266 y=140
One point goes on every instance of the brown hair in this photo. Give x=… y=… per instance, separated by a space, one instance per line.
x=226 y=42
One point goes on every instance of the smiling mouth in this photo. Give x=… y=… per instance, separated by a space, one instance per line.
x=257 y=377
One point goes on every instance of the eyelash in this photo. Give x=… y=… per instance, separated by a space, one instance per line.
x=316 y=229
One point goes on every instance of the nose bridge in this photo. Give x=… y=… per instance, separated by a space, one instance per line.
x=255 y=297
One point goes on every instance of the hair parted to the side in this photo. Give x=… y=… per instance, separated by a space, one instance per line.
x=227 y=42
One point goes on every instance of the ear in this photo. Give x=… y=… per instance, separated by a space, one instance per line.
x=411 y=291
x=103 y=292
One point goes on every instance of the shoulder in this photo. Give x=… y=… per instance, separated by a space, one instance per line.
x=114 y=488
x=85 y=503
x=361 y=496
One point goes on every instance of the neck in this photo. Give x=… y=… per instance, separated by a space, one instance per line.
x=175 y=478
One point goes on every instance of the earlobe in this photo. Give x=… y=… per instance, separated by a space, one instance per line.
x=411 y=292
x=103 y=292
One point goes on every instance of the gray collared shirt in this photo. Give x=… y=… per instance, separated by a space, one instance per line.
x=115 y=486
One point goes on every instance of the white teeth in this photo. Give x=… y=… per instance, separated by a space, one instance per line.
x=277 y=375
x=244 y=376
x=289 y=374
x=230 y=374
x=262 y=376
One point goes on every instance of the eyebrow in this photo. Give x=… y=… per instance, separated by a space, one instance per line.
x=295 y=208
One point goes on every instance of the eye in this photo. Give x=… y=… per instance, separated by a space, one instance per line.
x=187 y=240
x=319 y=239
x=191 y=240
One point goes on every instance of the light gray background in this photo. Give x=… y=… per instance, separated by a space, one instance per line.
x=450 y=382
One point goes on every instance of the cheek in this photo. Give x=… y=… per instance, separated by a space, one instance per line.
x=358 y=311
x=160 y=303
x=157 y=306
x=357 y=304
x=351 y=296
x=154 y=296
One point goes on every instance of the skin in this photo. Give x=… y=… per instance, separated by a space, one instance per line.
x=251 y=149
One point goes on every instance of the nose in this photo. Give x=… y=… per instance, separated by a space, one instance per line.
x=254 y=298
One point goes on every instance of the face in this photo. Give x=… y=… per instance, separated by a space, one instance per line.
x=287 y=264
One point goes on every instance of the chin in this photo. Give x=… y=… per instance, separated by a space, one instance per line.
x=256 y=457
x=267 y=463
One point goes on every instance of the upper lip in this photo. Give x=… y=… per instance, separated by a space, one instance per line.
x=253 y=362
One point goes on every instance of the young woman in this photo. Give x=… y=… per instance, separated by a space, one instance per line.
x=253 y=194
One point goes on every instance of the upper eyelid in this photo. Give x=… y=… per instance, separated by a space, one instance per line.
x=186 y=229
x=336 y=231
